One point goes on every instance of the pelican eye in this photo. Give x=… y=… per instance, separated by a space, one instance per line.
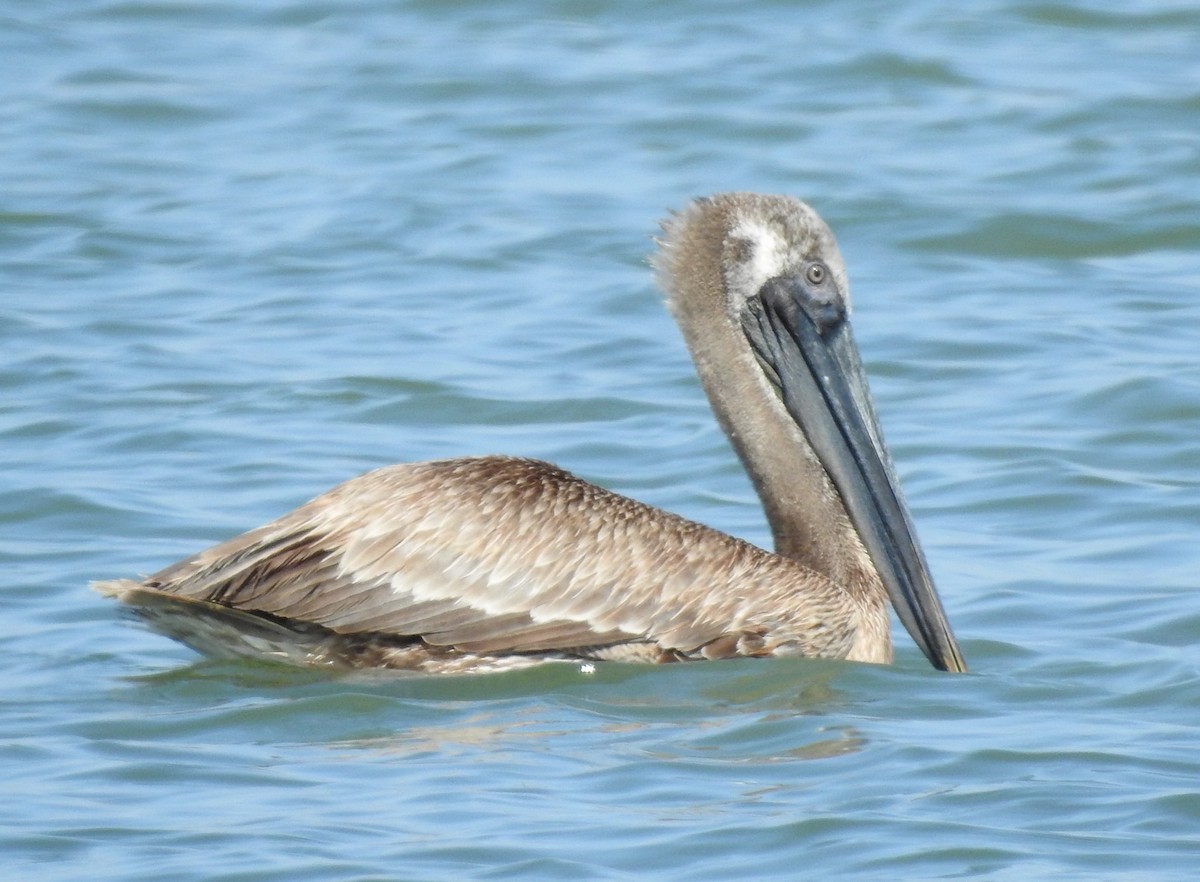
x=816 y=273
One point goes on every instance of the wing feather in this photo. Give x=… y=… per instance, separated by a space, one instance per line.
x=493 y=554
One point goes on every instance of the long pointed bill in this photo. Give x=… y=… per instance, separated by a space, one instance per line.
x=805 y=345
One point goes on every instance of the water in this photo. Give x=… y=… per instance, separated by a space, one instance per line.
x=250 y=250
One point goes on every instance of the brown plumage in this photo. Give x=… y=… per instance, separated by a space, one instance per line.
x=484 y=563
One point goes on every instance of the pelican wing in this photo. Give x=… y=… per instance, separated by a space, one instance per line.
x=494 y=555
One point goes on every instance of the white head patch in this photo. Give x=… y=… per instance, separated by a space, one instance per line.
x=764 y=255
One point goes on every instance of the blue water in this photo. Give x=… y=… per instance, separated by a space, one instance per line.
x=250 y=250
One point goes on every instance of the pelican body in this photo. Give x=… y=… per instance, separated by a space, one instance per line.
x=492 y=562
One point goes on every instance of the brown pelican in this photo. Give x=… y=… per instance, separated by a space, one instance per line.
x=483 y=563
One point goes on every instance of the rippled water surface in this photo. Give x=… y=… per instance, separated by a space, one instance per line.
x=252 y=249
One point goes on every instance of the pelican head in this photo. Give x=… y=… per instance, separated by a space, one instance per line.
x=759 y=290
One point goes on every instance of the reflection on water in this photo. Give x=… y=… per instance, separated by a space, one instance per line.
x=743 y=711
